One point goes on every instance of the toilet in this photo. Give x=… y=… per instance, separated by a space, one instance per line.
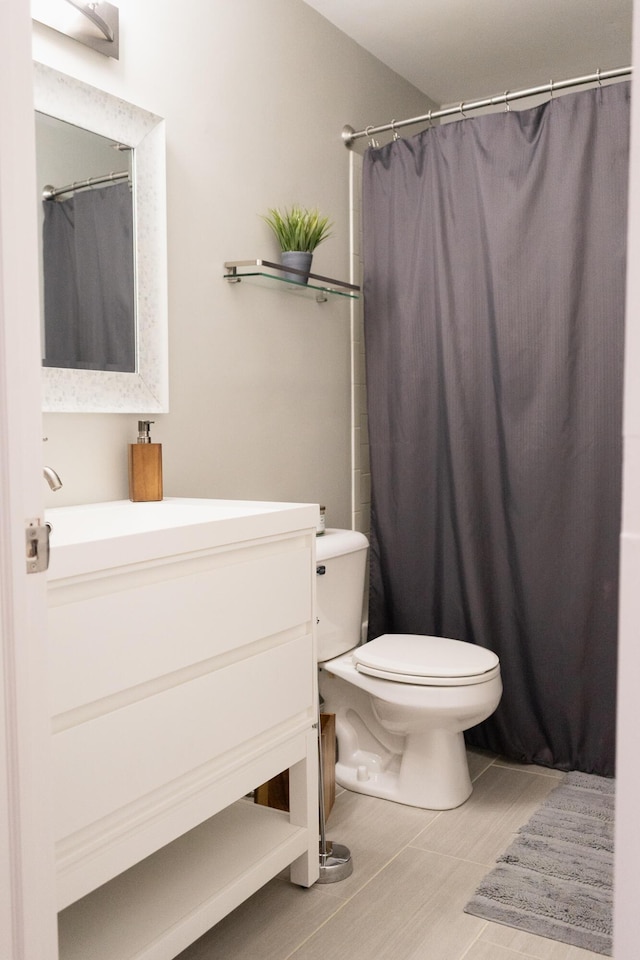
x=401 y=701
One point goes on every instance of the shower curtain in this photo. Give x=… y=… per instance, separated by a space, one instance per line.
x=494 y=288
x=89 y=293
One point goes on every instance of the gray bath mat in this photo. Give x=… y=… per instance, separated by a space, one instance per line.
x=556 y=878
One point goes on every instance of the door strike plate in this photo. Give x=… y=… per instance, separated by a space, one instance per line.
x=37 y=546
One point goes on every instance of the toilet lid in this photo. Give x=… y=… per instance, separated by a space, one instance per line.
x=434 y=661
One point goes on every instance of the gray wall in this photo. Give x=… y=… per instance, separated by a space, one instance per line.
x=255 y=95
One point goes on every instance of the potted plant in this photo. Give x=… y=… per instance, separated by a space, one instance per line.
x=298 y=231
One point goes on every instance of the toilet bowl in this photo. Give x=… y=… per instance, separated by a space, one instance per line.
x=401 y=701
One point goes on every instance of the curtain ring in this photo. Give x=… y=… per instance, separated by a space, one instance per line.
x=551 y=88
x=393 y=129
x=461 y=110
x=507 y=105
x=429 y=120
x=598 y=76
x=372 y=142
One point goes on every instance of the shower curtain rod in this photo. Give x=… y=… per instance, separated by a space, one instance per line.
x=50 y=193
x=349 y=134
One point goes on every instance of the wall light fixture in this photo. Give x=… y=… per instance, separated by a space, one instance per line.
x=94 y=24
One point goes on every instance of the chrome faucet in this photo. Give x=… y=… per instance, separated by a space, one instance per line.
x=52 y=478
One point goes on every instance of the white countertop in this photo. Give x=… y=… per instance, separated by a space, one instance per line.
x=98 y=536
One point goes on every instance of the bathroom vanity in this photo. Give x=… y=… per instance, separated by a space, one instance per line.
x=183 y=676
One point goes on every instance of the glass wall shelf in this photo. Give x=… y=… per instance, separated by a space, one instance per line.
x=266 y=272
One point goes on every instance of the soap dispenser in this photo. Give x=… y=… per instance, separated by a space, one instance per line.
x=145 y=466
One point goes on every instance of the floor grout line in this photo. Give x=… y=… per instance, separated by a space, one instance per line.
x=450 y=856
x=360 y=889
x=484 y=770
x=551 y=773
x=469 y=946
x=351 y=896
x=410 y=845
x=319 y=927
x=339 y=902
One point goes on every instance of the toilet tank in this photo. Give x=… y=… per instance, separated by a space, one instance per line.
x=341 y=559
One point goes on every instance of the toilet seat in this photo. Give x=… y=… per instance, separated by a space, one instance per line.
x=430 y=661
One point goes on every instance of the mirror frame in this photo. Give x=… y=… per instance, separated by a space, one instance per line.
x=146 y=390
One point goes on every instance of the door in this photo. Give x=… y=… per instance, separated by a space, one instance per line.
x=27 y=912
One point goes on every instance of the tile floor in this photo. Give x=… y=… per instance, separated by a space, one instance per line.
x=414 y=870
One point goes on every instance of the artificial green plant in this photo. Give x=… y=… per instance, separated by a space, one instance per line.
x=297 y=228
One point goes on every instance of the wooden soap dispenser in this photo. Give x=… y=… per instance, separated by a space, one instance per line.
x=145 y=466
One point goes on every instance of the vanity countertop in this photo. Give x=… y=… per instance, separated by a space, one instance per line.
x=98 y=536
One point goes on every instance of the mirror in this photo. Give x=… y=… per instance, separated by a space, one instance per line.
x=141 y=385
x=86 y=249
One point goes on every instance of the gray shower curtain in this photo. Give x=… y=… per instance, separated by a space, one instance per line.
x=494 y=252
x=89 y=291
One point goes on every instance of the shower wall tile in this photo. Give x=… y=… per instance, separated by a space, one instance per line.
x=365 y=458
x=357 y=486
x=359 y=370
x=362 y=389
x=356 y=259
x=357 y=452
x=365 y=487
x=366 y=519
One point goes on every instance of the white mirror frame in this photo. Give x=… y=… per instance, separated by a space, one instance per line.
x=147 y=390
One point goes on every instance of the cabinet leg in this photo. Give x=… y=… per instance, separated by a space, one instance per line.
x=303 y=810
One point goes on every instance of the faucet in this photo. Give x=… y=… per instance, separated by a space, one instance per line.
x=52 y=478
x=50 y=475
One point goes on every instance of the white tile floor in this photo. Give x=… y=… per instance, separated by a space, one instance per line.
x=414 y=870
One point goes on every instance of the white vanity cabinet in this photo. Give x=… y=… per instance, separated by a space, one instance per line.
x=183 y=676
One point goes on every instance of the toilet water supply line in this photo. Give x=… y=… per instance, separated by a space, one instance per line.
x=335 y=859
x=321 y=806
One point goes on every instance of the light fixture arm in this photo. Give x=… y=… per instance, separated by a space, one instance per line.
x=90 y=11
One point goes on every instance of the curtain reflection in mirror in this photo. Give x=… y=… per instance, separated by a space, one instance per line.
x=89 y=293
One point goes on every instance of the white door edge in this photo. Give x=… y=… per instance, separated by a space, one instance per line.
x=27 y=901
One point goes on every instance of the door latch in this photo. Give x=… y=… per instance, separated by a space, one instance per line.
x=37 y=546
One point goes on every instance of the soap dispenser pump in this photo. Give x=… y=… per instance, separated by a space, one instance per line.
x=145 y=466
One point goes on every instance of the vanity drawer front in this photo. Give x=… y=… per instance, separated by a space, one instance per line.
x=166 y=618
x=104 y=764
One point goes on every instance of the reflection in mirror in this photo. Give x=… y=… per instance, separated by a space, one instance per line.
x=130 y=376
x=86 y=248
